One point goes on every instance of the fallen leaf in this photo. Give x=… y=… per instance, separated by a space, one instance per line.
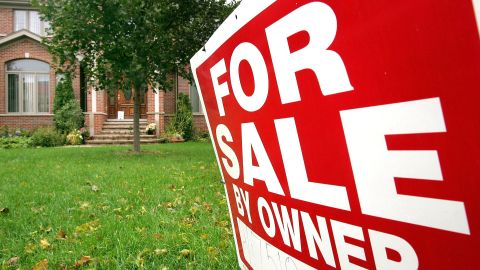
x=41 y=265
x=194 y=210
x=212 y=252
x=162 y=251
x=222 y=223
x=140 y=230
x=185 y=253
x=44 y=244
x=30 y=248
x=38 y=210
x=47 y=229
x=87 y=227
x=13 y=261
x=61 y=235
x=4 y=210
x=157 y=236
x=84 y=260
x=204 y=236
x=207 y=206
x=84 y=205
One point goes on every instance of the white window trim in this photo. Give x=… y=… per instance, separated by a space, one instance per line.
x=43 y=33
x=20 y=94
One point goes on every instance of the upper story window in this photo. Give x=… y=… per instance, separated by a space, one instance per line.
x=30 y=20
x=28 y=86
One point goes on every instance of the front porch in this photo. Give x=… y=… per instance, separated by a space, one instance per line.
x=158 y=107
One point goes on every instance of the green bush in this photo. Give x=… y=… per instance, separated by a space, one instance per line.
x=15 y=142
x=183 y=120
x=47 y=137
x=201 y=136
x=69 y=117
x=63 y=93
x=4 y=131
x=75 y=137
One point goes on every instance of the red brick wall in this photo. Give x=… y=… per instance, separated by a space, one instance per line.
x=169 y=102
x=183 y=86
x=99 y=120
x=199 y=123
x=17 y=50
x=26 y=122
x=6 y=21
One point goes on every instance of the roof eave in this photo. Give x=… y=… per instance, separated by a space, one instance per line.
x=18 y=35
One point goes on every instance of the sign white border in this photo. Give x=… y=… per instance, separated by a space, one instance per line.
x=476 y=8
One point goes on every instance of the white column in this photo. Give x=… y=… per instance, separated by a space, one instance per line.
x=94 y=100
x=157 y=110
x=92 y=113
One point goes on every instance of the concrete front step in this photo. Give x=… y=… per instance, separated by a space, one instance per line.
x=124 y=120
x=120 y=132
x=121 y=127
x=142 y=141
x=121 y=137
x=123 y=123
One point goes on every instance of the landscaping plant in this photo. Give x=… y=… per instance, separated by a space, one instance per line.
x=182 y=123
x=47 y=137
x=69 y=117
x=63 y=92
x=75 y=137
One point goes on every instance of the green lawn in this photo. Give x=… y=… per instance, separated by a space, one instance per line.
x=163 y=209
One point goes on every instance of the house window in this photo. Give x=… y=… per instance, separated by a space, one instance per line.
x=28 y=86
x=195 y=99
x=30 y=20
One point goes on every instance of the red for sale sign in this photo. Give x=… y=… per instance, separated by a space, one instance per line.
x=347 y=132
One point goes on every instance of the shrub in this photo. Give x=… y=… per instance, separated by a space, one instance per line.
x=183 y=120
x=47 y=137
x=201 y=136
x=63 y=93
x=69 y=117
x=75 y=137
x=4 y=131
x=85 y=134
x=15 y=142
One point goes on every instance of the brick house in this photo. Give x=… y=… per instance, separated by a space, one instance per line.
x=28 y=81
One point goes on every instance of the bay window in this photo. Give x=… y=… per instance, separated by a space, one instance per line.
x=28 y=86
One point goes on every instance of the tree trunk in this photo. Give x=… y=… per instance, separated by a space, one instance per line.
x=136 y=119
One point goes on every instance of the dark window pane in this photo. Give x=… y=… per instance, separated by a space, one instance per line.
x=13 y=93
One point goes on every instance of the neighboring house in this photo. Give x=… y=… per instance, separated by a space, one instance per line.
x=28 y=80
